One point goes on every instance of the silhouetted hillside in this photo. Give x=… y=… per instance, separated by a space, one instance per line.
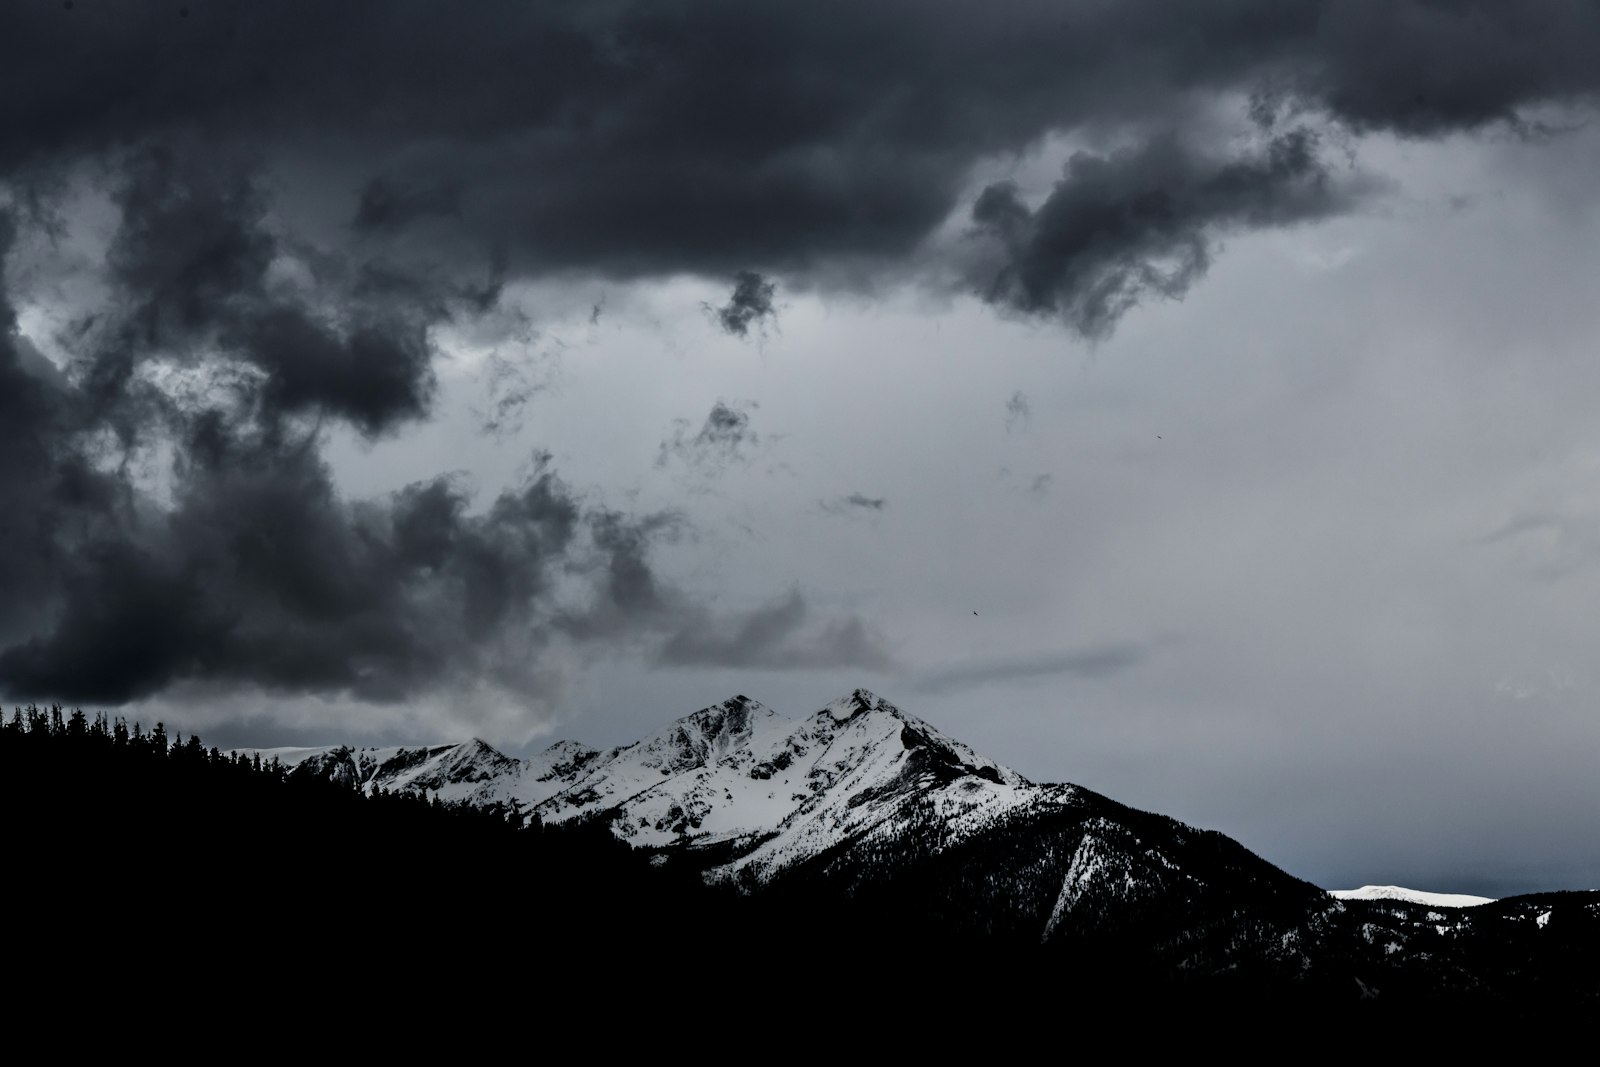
x=129 y=847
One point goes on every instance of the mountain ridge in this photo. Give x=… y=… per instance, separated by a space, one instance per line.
x=729 y=772
x=868 y=805
x=898 y=844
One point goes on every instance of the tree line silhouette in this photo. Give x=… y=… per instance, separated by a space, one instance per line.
x=126 y=846
x=103 y=813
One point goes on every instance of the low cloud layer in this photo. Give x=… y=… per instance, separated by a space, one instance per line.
x=1099 y=661
x=783 y=636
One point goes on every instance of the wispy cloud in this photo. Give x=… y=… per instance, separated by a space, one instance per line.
x=1091 y=661
x=854 y=504
x=723 y=439
x=783 y=635
x=1018 y=412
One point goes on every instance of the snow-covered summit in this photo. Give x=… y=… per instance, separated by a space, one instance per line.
x=768 y=789
x=862 y=796
x=738 y=773
x=864 y=703
x=1411 y=896
x=561 y=758
x=862 y=801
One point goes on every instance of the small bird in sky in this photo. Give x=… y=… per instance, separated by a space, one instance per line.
x=974 y=612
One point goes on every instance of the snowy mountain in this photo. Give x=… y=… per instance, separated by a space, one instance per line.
x=857 y=850
x=864 y=812
x=862 y=799
x=1412 y=896
x=736 y=775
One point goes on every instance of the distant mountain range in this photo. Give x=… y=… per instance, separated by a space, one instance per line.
x=864 y=802
x=1412 y=896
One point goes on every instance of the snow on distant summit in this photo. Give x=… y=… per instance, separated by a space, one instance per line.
x=770 y=790
x=775 y=790
x=1411 y=896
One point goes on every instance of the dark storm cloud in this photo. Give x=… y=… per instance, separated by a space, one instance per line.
x=1098 y=661
x=1426 y=67
x=32 y=412
x=246 y=567
x=304 y=192
x=387 y=206
x=721 y=440
x=190 y=266
x=638 y=138
x=1139 y=222
x=780 y=636
x=261 y=575
x=750 y=304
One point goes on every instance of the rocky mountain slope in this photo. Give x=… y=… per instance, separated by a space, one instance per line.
x=862 y=805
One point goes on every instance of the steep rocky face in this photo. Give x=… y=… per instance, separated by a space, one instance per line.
x=561 y=760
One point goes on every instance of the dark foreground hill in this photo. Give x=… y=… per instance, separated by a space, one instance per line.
x=1017 y=906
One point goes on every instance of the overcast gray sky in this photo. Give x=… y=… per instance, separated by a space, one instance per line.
x=1195 y=407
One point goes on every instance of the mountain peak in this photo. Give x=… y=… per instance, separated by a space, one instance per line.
x=704 y=736
x=730 y=718
x=734 y=773
x=858 y=702
x=478 y=748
